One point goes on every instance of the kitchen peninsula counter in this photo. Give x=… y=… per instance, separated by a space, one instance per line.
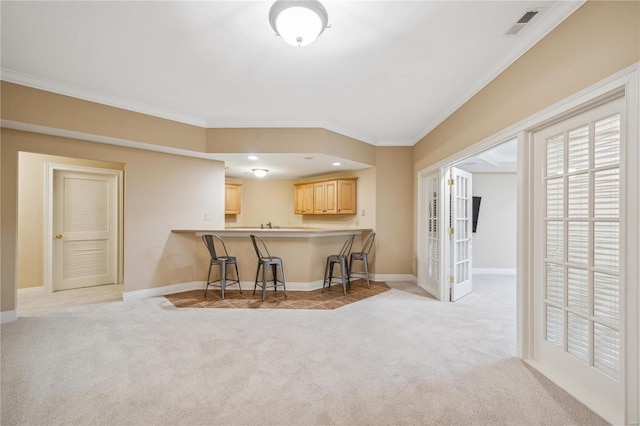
x=303 y=250
x=295 y=232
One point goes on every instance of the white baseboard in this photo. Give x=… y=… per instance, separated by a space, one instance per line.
x=494 y=271
x=613 y=415
x=393 y=277
x=38 y=289
x=8 y=316
x=128 y=296
x=291 y=285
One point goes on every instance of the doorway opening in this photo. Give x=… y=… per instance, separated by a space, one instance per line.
x=490 y=219
x=37 y=233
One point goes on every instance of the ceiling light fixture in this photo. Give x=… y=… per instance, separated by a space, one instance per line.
x=252 y=157
x=335 y=164
x=260 y=172
x=298 y=22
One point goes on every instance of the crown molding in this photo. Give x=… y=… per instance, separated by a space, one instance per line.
x=35 y=82
x=546 y=22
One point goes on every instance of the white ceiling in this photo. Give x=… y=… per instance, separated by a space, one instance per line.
x=502 y=158
x=286 y=166
x=386 y=72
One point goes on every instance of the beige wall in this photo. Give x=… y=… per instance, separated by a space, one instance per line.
x=290 y=140
x=598 y=40
x=265 y=200
x=162 y=192
x=394 y=211
x=494 y=243
x=31 y=171
x=38 y=107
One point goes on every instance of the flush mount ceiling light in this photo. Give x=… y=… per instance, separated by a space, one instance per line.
x=260 y=172
x=299 y=22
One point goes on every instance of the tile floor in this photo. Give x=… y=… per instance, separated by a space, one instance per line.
x=332 y=298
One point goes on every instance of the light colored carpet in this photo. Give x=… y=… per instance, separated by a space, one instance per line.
x=396 y=358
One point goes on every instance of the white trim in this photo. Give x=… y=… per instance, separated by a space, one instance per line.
x=145 y=293
x=128 y=296
x=50 y=168
x=393 y=277
x=524 y=250
x=38 y=289
x=578 y=392
x=594 y=91
x=493 y=271
x=30 y=80
x=8 y=316
x=530 y=36
x=632 y=248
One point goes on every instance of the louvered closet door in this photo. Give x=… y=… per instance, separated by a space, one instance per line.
x=579 y=287
x=433 y=231
x=84 y=240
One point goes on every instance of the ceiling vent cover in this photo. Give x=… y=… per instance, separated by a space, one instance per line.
x=520 y=23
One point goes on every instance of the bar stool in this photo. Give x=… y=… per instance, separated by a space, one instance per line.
x=222 y=262
x=264 y=260
x=340 y=258
x=362 y=255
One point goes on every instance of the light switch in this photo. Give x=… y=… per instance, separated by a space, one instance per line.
x=363 y=212
x=207 y=217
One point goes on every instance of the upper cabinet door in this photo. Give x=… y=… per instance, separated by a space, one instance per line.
x=330 y=196
x=232 y=198
x=347 y=196
x=303 y=199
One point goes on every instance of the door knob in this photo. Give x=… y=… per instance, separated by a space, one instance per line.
x=58 y=236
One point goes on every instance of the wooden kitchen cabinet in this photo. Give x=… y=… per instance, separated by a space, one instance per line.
x=232 y=198
x=303 y=198
x=327 y=196
x=347 y=192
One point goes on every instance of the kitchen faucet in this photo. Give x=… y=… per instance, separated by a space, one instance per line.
x=269 y=225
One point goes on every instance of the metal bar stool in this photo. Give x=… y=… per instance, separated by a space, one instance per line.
x=264 y=260
x=222 y=262
x=362 y=255
x=340 y=258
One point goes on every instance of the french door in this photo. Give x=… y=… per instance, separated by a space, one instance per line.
x=460 y=216
x=579 y=290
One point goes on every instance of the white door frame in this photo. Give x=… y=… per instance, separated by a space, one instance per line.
x=50 y=168
x=627 y=80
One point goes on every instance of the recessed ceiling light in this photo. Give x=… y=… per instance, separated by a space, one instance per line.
x=252 y=157
x=335 y=164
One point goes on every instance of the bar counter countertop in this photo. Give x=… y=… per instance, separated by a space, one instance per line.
x=303 y=250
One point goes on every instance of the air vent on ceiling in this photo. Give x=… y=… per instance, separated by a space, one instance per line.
x=520 y=23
